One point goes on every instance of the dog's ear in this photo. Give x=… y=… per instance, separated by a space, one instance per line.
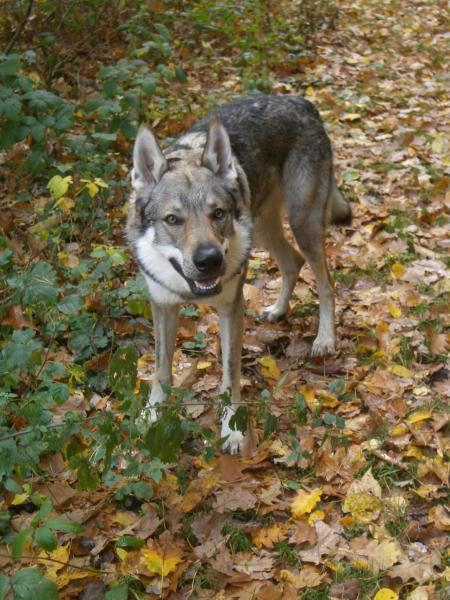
x=217 y=155
x=149 y=164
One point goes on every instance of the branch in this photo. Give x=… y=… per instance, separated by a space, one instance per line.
x=54 y=560
x=21 y=27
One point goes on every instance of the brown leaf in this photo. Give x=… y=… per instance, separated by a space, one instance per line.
x=232 y=498
x=16 y=318
x=327 y=540
x=303 y=533
x=230 y=467
x=58 y=492
x=348 y=590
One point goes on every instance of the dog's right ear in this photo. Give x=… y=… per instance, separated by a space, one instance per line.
x=217 y=155
x=149 y=164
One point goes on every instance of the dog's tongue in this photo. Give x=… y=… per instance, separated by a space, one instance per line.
x=206 y=283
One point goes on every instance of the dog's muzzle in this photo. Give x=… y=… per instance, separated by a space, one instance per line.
x=208 y=261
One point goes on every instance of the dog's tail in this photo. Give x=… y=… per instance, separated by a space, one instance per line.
x=341 y=212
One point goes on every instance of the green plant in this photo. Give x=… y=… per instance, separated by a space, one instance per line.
x=238 y=541
x=29 y=111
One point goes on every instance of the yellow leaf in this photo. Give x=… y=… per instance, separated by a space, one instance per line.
x=268 y=536
x=62 y=554
x=310 y=398
x=386 y=594
x=99 y=181
x=399 y=430
x=304 y=502
x=413 y=452
x=427 y=490
x=400 y=370
x=317 y=515
x=92 y=189
x=125 y=518
x=203 y=364
x=351 y=117
x=363 y=506
x=394 y=310
x=121 y=553
x=161 y=565
x=309 y=90
x=419 y=415
x=382 y=327
x=20 y=498
x=269 y=368
x=65 y=203
x=397 y=270
x=360 y=564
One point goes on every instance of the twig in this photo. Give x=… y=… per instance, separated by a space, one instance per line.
x=397 y=462
x=51 y=426
x=21 y=27
x=55 y=560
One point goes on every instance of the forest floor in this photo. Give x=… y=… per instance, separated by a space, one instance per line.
x=348 y=495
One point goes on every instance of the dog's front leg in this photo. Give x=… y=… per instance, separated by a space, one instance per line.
x=165 y=320
x=231 y=324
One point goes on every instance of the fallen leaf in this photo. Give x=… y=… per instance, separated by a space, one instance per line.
x=266 y=537
x=418 y=416
x=304 y=502
x=16 y=318
x=386 y=594
x=269 y=368
x=383 y=555
x=394 y=311
x=400 y=370
x=156 y=563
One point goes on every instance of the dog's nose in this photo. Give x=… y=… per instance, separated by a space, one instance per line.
x=208 y=258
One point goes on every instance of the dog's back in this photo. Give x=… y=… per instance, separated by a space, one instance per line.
x=264 y=130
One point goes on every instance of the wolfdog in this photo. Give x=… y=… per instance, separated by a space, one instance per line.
x=196 y=207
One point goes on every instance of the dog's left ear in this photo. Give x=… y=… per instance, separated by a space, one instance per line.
x=217 y=155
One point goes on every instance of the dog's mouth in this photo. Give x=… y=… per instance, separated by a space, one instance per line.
x=210 y=286
x=205 y=287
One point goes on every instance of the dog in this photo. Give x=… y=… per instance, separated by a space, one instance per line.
x=196 y=208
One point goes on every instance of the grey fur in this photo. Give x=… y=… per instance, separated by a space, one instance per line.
x=231 y=176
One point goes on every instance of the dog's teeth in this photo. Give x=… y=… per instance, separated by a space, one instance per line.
x=208 y=284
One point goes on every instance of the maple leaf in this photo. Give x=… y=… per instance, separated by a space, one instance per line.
x=304 y=502
x=268 y=536
x=362 y=506
x=308 y=577
x=159 y=564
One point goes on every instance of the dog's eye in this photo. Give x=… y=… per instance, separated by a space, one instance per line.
x=172 y=220
x=218 y=214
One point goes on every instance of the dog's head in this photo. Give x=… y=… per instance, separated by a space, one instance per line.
x=193 y=209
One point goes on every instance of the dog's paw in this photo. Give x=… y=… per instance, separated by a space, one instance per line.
x=273 y=313
x=149 y=414
x=233 y=437
x=323 y=347
x=233 y=443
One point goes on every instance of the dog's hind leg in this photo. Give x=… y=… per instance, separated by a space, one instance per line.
x=307 y=197
x=231 y=319
x=269 y=233
x=165 y=320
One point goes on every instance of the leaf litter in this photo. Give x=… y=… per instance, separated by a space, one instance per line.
x=357 y=506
